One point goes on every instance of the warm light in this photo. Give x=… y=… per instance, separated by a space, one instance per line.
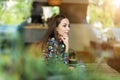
x=98 y=25
x=54 y=2
x=88 y=19
x=116 y=3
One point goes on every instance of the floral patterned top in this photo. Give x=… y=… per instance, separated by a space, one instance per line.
x=55 y=51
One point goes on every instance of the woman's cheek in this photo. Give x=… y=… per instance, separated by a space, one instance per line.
x=65 y=35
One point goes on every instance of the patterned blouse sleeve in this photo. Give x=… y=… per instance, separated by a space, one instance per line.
x=51 y=49
x=54 y=51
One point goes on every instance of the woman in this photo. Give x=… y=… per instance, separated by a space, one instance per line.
x=56 y=41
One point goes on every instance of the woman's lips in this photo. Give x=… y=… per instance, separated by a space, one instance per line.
x=67 y=33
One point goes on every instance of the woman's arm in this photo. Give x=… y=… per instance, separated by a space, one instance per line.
x=66 y=42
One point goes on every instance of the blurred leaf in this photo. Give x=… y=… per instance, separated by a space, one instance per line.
x=15 y=13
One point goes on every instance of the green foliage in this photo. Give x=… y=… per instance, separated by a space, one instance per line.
x=8 y=69
x=40 y=69
x=31 y=68
x=34 y=69
x=16 y=12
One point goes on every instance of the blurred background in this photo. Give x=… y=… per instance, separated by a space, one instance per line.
x=94 y=34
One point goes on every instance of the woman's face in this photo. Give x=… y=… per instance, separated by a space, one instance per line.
x=63 y=28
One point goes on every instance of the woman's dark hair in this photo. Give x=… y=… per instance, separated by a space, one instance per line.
x=52 y=25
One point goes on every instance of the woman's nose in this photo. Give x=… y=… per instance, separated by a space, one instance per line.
x=68 y=28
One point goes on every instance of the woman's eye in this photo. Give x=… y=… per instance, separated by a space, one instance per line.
x=64 y=25
x=69 y=26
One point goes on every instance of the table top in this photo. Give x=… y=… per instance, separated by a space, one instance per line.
x=35 y=26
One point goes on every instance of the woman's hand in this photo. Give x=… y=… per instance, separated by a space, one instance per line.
x=66 y=42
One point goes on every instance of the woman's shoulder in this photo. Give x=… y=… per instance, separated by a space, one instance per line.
x=52 y=41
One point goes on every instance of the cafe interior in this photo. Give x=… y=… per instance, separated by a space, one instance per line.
x=94 y=33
